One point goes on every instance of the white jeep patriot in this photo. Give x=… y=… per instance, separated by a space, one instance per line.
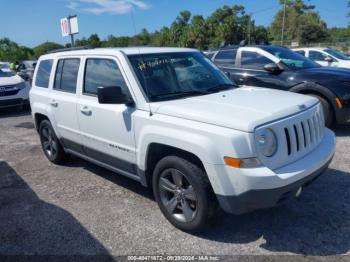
x=170 y=119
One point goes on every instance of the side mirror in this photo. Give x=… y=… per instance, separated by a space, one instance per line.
x=329 y=59
x=273 y=68
x=112 y=95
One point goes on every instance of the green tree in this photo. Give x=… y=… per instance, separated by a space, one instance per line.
x=45 y=47
x=302 y=23
x=11 y=51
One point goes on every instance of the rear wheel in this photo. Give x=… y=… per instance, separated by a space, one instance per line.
x=183 y=193
x=50 y=143
x=327 y=110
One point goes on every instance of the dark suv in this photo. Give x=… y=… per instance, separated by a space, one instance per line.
x=280 y=68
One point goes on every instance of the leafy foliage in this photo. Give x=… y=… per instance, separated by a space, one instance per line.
x=302 y=23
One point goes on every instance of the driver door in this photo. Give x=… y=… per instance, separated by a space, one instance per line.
x=251 y=62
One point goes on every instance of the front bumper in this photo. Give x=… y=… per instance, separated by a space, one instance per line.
x=257 y=188
x=21 y=98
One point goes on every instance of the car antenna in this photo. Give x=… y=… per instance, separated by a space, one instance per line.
x=143 y=61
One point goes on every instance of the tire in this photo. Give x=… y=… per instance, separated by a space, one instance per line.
x=183 y=193
x=327 y=110
x=50 y=143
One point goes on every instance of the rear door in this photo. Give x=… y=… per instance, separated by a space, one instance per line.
x=107 y=129
x=226 y=60
x=63 y=101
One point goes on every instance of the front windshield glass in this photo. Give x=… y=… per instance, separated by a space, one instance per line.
x=336 y=54
x=6 y=73
x=166 y=76
x=292 y=59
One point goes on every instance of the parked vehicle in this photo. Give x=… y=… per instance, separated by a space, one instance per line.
x=280 y=68
x=4 y=65
x=325 y=56
x=14 y=91
x=26 y=70
x=170 y=119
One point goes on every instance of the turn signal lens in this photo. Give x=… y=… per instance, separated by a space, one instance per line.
x=242 y=163
x=234 y=162
x=339 y=103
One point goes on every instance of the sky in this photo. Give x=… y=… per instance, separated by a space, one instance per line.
x=31 y=22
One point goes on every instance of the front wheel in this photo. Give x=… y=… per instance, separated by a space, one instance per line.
x=183 y=193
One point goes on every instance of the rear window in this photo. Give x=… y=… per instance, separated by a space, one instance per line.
x=67 y=75
x=226 y=56
x=43 y=74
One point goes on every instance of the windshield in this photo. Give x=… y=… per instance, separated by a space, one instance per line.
x=292 y=59
x=6 y=73
x=336 y=54
x=166 y=76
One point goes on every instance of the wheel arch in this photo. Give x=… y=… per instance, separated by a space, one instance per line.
x=156 y=151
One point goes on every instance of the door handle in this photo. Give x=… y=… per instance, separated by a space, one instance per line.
x=54 y=103
x=86 y=111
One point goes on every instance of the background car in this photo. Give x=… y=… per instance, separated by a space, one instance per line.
x=4 y=65
x=26 y=70
x=14 y=91
x=325 y=56
x=280 y=68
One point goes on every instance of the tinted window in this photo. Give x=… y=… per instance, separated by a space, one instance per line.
x=43 y=74
x=226 y=56
x=102 y=72
x=317 y=56
x=300 y=52
x=253 y=60
x=67 y=75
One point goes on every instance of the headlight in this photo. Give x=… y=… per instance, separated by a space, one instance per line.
x=267 y=142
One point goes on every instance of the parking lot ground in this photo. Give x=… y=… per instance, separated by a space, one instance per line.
x=81 y=209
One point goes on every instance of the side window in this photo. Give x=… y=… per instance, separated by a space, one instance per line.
x=209 y=55
x=317 y=56
x=43 y=74
x=300 y=52
x=67 y=74
x=102 y=72
x=253 y=60
x=226 y=56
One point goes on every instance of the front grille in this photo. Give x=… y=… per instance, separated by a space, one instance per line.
x=296 y=135
x=304 y=134
x=9 y=93
x=8 y=90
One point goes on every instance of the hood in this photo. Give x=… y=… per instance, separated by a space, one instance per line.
x=242 y=108
x=12 y=80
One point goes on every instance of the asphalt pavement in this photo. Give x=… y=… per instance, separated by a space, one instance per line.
x=82 y=209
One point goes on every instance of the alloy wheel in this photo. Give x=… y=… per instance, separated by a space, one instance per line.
x=177 y=195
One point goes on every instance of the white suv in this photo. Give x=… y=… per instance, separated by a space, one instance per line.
x=170 y=119
x=14 y=91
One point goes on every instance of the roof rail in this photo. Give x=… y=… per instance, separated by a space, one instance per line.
x=68 y=49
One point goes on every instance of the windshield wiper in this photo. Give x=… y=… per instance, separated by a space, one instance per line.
x=222 y=87
x=182 y=93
